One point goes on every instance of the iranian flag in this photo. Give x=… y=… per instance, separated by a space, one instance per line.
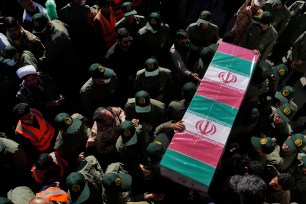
x=193 y=155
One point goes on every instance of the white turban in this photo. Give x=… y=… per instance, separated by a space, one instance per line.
x=26 y=70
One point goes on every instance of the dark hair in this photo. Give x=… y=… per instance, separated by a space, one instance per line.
x=21 y=109
x=252 y=189
x=228 y=37
x=285 y=180
x=122 y=33
x=181 y=34
x=11 y=22
x=256 y=168
x=44 y=161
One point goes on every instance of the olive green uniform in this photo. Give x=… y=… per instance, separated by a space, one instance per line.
x=256 y=39
x=155 y=85
x=280 y=17
x=99 y=95
x=200 y=37
x=139 y=22
x=150 y=120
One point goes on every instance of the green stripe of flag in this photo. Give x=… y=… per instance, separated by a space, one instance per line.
x=233 y=64
x=213 y=110
x=189 y=167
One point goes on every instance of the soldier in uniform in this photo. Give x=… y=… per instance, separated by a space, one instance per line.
x=280 y=14
x=283 y=158
x=203 y=33
x=156 y=80
x=72 y=137
x=154 y=40
x=277 y=124
x=100 y=90
x=260 y=36
x=11 y=58
x=298 y=61
x=295 y=27
x=177 y=108
x=60 y=58
x=82 y=190
x=15 y=165
x=145 y=111
x=23 y=39
x=130 y=21
x=131 y=146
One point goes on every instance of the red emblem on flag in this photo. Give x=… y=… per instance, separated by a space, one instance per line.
x=206 y=127
x=227 y=77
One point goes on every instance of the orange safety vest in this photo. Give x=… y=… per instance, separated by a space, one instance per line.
x=62 y=163
x=54 y=194
x=39 y=175
x=108 y=28
x=40 y=138
x=116 y=6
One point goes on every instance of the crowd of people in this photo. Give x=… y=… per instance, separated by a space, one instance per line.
x=94 y=91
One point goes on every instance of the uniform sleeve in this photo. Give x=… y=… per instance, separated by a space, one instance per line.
x=296 y=46
x=178 y=62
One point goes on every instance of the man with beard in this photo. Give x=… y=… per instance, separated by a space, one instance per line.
x=183 y=56
x=30 y=8
x=203 y=33
x=154 y=40
x=280 y=14
x=39 y=91
x=260 y=36
x=277 y=124
x=128 y=64
x=22 y=39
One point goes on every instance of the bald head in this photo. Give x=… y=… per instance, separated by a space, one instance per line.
x=37 y=200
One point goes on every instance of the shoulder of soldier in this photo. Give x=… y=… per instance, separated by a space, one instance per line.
x=10 y=145
x=140 y=72
x=158 y=104
x=214 y=26
x=176 y=103
x=164 y=70
x=129 y=104
x=192 y=26
x=142 y=31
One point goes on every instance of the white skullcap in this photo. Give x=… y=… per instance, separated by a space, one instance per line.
x=26 y=70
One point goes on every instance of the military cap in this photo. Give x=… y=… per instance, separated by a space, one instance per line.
x=142 y=102
x=204 y=17
x=4 y=200
x=117 y=181
x=154 y=19
x=262 y=72
x=285 y=94
x=151 y=67
x=97 y=71
x=157 y=148
x=78 y=189
x=189 y=90
x=128 y=9
x=65 y=122
x=286 y=111
x=295 y=142
x=264 y=17
x=280 y=71
x=128 y=133
x=7 y=53
x=279 y=2
x=266 y=145
x=39 y=21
